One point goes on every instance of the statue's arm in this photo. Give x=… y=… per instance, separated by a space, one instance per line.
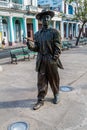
x=33 y=44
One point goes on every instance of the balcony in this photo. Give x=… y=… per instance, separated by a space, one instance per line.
x=17 y=6
x=67 y=16
x=31 y=8
x=12 y=5
x=4 y=4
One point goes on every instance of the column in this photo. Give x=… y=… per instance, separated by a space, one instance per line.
x=83 y=30
x=11 y=31
x=1 y=30
x=80 y=28
x=62 y=30
x=66 y=8
x=57 y=25
x=54 y=24
x=34 y=3
x=10 y=4
x=77 y=30
x=24 y=27
x=35 y=25
x=62 y=6
x=26 y=2
x=1 y=25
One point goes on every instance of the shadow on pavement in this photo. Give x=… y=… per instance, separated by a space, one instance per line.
x=28 y=103
x=5 y=63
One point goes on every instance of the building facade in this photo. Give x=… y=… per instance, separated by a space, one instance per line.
x=69 y=29
x=17 y=20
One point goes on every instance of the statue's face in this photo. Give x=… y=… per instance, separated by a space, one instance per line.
x=45 y=19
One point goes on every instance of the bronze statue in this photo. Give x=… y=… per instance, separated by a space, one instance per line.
x=47 y=42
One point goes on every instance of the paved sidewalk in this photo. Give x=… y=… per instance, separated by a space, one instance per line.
x=18 y=93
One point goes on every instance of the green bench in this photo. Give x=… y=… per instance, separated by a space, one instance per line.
x=31 y=53
x=66 y=45
x=19 y=53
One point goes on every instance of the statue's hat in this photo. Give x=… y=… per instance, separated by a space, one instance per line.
x=44 y=12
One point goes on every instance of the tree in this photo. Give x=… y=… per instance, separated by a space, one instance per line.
x=80 y=13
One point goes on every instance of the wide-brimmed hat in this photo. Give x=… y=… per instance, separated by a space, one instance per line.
x=44 y=12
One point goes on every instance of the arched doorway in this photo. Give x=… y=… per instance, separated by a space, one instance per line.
x=17 y=31
x=5 y=30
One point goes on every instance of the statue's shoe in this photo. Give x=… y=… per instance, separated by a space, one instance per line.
x=56 y=99
x=38 y=105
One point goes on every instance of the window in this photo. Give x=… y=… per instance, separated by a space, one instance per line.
x=4 y=21
x=70 y=9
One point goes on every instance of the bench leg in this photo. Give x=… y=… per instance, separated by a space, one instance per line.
x=16 y=60
x=34 y=56
x=29 y=57
x=11 y=60
x=24 y=57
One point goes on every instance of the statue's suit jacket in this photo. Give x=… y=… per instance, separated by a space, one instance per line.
x=47 y=42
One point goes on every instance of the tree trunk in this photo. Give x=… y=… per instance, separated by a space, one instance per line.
x=77 y=41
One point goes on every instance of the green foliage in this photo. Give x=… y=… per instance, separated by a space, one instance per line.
x=81 y=9
x=80 y=13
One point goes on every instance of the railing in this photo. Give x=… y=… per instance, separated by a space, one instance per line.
x=17 y=6
x=69 y=16
x=31 y=8
x=12 y=5
x=4 y=4
x=39 y=9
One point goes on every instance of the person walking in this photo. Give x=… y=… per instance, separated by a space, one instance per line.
x=47 y=42
x=3 y=43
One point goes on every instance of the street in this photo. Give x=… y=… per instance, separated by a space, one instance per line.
x=18 y=94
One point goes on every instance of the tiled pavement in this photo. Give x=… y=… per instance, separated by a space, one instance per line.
x=18 y=91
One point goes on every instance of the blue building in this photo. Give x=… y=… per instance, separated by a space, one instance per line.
x=17 y=19
x=68 y=28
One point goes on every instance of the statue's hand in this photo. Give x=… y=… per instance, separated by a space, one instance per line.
x=29 y=39
x=56 y=57
x=30 y=44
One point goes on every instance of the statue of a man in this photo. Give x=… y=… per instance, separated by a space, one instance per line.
x=47 y=42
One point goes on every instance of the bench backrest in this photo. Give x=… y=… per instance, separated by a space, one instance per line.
x=17 y=51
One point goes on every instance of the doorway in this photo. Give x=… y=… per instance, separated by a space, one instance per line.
x=5 y=31
x=18 y=31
